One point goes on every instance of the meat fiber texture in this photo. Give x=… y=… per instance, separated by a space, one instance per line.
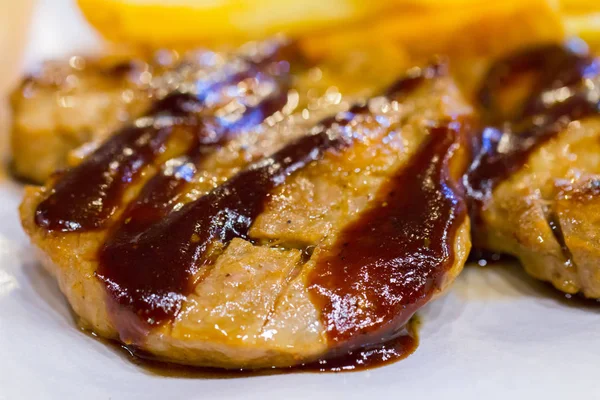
x=547 y=213
x=252 y=308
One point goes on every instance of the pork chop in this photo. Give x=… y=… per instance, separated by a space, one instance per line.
x=535 y=182
x=66 y=104
x=66 y=108
x=218 y=229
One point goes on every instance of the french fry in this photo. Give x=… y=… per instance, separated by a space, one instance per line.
x=582 y=19
x=178 y=22
x=585 y=26
x=579 y=6
x=480 y=29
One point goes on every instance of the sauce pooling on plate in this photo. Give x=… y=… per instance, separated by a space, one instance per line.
x=87 y=196
x=358 y=360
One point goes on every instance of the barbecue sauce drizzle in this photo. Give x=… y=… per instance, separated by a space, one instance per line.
x=403 y=245
x=86 y=197
x=389 y=262
x=562 y=91
x=151 y=272
x=160 y=193
x=385 y=264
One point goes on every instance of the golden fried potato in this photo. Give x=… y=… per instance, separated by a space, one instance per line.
x=427 y=26
x=177 y=22
x=431 y=27
x=586 y=26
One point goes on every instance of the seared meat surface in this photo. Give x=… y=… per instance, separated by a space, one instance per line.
x=65 y=109
x=221 y=228
x=535 y=180
x=67 y=104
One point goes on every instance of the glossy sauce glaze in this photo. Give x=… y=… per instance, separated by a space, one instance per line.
x=358 y=360
x=160 y=193
x=154 y=256
x=87 y=196
x=151 y=272
x=389 y=262
x=563 y=87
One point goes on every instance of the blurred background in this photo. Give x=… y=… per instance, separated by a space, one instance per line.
x=405 y=31
x=324 y=28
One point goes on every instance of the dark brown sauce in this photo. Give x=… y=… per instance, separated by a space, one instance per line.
x=390 y=261
x=160 y=193
x=154 y=257
x=403 y=344
x=558 y=96
x=359 y=360
x=416 y=78
x=151 y=272
x=87 y=196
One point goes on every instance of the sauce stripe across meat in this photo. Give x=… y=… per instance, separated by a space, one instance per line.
x=557 y=96
x=384 y=264
x=390 y=261
x=87 y=196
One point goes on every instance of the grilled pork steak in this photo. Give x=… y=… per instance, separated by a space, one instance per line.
x=535 y=182
x=66 y=108
x=67 y=104
x=218 y=229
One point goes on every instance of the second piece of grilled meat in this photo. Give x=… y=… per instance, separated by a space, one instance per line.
x=536 y=181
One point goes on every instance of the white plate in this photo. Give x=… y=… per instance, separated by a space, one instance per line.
x=497 y=334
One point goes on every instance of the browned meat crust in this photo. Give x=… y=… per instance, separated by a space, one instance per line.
x=535 y=181
x=67 y=104
x=232 y=269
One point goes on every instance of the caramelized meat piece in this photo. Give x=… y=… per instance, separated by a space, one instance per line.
x=68 y=104
x=82 y=101
x=65 y=110
x=534 y=183
x=219 y=230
